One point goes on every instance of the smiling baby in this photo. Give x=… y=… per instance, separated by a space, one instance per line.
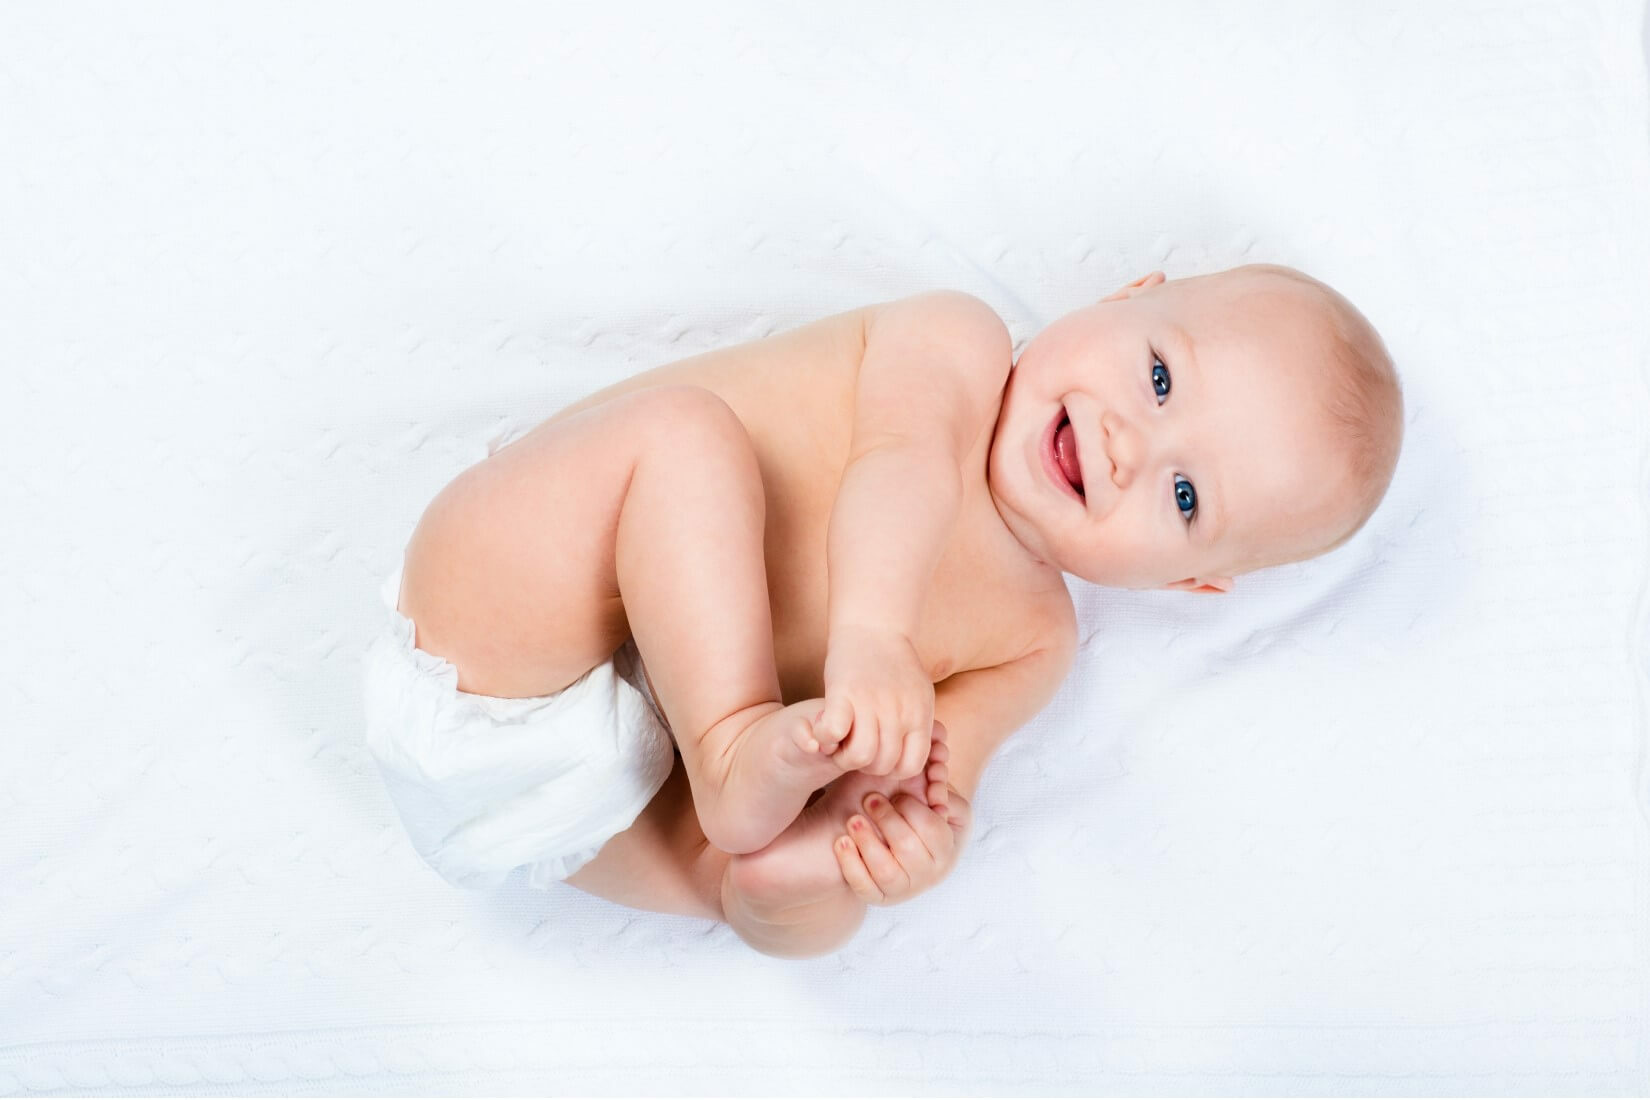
x=840 y=551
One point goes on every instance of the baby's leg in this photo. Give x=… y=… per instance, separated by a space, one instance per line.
x=640 y=517
x=692 y=573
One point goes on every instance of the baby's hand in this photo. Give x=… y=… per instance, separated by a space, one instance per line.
x=879 y=703
x=909 y=848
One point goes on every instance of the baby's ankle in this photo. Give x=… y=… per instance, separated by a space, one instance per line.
x=719 y=784
x=714 y=755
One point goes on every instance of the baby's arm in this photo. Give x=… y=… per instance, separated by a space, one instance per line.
x=929 y=383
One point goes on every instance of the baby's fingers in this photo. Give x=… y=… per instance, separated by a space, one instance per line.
x=832 y=723
x=938 y=771
x=855 y=873
x=890 y=878
x=915 y=752
x=907 y=846
x=937 y=774
x=868 y=868
x=860 y=749
x=927 y=827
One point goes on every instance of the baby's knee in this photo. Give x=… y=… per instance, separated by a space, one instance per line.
x=691 y=436
x=695 y=417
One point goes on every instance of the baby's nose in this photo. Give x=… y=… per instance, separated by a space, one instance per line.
x=1117 y=449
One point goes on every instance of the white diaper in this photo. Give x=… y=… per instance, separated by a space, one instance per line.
x=486 y=785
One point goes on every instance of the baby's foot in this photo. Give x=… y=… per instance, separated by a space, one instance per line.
x=765 y=778
x=799 y=866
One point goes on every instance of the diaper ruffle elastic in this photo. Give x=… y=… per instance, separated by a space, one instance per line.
x=486 y=785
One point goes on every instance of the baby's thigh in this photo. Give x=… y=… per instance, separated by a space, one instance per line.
x=510 y=572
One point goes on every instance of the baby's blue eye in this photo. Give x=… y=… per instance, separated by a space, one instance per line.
x=1184 y=495
x=1185 y=498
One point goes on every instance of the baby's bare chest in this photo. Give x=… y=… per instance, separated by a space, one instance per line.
x=794 y=392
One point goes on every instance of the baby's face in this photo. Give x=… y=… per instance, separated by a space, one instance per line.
x=1194 y=409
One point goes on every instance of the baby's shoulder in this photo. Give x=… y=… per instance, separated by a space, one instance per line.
x=950 y=321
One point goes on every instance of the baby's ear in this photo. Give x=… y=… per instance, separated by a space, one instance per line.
x=1202 y=584
x=1145 y=282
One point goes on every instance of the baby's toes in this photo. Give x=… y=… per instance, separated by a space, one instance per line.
x=806 y=744
x=802 y=735
x=915 y=786
x=823 y=732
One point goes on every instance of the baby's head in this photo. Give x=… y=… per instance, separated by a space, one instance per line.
x=1219 y=424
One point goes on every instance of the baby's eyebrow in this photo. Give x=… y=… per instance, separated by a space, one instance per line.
x=1186 y=353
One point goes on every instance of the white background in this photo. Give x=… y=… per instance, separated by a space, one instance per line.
x=269 y=277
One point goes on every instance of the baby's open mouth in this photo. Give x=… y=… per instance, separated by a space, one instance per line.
x=1065 y=453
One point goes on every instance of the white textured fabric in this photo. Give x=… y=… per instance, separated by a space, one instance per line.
x=1373 y=823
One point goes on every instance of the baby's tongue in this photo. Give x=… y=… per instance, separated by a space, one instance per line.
x=1065 y=452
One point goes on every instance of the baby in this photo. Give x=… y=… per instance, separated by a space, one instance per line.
x=841 y=551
